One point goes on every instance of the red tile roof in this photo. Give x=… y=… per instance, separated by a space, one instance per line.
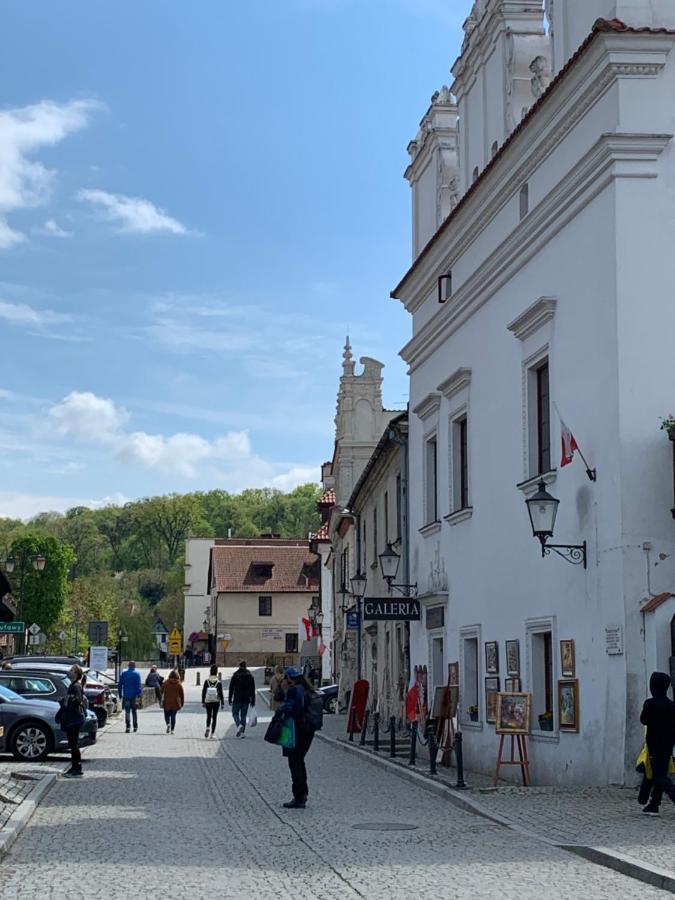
x=655 y=602
x=328 y=498
x=232 y=567
x=322 y=534
x=601 y=26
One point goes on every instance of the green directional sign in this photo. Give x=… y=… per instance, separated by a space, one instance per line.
x=12 y=627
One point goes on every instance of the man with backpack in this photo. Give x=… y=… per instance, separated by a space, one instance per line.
x=305 y=706
x=242 y=691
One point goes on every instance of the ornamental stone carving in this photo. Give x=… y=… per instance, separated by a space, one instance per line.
x=541 y=76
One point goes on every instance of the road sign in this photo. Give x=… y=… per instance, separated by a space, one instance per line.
x=98 y=633
x=37 y=639
x=12 y=627
x=98 y=658
x=175 y=642
x=34 y=629
x=352 y=616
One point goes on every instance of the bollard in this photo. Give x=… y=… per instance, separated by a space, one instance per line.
x=376 y=732
x=459 y=756
x=364 y=728
x=392 y=736
x=198 y=679
x=413 y=744
x=352 y=723
x=433 y=747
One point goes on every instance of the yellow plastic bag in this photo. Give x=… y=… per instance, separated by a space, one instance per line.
x=643 y=764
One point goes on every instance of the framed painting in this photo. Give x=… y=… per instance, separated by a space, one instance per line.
x=514 y=711
x=568 y=704
x=453 y=674
x=491 y=657
x=567 y=661
x=439 y=708
x=491 y=694
x=512 y=685
x=513 y=657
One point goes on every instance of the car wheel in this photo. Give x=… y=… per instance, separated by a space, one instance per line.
x=330 y=704
x=31 y=742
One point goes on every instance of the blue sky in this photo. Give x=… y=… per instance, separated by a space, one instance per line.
x=197 y=201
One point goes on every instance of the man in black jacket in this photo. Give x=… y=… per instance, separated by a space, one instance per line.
x=658 y=714
x=242 y=691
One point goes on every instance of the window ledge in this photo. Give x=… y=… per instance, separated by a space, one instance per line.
x=431 y=528
x=545 y=737
x=530 y=485
x=459 y=515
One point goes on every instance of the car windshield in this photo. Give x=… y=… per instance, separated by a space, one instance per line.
x=9 y=695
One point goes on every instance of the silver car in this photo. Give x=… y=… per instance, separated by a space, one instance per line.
x=28 y=728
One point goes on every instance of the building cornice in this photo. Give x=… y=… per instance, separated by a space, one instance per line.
x=460 y=379
x=607 y=57
x=533 y=318
x=429 y=406
x=613 y=156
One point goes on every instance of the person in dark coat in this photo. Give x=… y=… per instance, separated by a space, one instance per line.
x=294 y=705
x=242 y=692
x=658 y=714
x=213 y=699
x=72 y=720
x=154 y=680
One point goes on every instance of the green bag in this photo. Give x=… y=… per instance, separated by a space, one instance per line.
x=287 y=737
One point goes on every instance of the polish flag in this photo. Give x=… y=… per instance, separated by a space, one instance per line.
x=569 y=445
x=307 y=626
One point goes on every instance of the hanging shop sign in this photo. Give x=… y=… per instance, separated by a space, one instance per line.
x=383 y=608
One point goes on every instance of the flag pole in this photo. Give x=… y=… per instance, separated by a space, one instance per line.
x=592 y=473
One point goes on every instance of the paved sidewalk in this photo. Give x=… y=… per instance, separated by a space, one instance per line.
x=183 y=816
x=607 y=820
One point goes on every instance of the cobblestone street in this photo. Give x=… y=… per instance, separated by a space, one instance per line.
x=184 y=816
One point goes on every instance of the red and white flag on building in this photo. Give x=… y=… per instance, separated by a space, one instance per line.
x=569 y=445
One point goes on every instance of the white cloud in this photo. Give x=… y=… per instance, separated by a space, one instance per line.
x=295 y=476
x=15 y=505
x=25 y=182
x=86 y=417
x=133 y=215
x=22 y=314
x=51 y=228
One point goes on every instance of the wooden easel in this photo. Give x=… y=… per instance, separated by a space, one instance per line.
x=519 y=740
x=445 y=732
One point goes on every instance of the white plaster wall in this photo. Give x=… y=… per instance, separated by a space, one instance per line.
x=426 y=204
x=197 y=595
x=237 y=614
x=327 y=608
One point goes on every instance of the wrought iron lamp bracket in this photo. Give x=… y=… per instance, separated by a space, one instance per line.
x=571 y=553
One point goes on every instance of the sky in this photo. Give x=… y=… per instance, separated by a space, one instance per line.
x=198 y=201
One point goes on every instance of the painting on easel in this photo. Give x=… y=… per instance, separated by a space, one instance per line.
x=514 y=713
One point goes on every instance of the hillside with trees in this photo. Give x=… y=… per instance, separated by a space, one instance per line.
x=124 y=564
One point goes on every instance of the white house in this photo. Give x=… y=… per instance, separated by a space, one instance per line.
x=541 y=285
x=196 y=585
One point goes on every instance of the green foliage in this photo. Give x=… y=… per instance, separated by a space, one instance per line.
x=43 y=594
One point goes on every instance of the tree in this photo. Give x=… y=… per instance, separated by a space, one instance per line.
x=173 y=517
x=44 y=593
x=78 y=528
x=115 y=524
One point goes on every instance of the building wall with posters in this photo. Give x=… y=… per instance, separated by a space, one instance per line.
x=546 y=292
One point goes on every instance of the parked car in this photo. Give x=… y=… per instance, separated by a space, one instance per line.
x=330 y=695
x=28 y=728
x=109 y=682
x=97 y=694
x=36 y=684
x=38 y=658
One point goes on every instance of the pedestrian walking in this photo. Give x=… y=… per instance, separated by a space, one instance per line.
x=295 y=707
x=131 y=692
x=242 y=692
x=71 y=719
x=658 y=714
x=154 y=680
x=213 y=699
x=278 y=688
x=174 y=699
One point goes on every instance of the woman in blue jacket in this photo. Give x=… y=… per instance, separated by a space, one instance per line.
x=294 y=706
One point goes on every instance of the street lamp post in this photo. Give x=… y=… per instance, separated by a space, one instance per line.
x=358 y=583
x=25 y=558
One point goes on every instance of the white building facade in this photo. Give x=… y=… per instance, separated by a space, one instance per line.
x=546 y=290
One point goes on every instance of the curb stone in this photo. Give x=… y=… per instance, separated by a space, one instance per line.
x=610 y=859
x=23 y=813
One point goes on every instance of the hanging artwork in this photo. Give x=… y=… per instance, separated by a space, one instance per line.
x=491 y=657
x=491 y=694
x=513 y=657
x=567 y=661
x=512 y=685
x=568 y=705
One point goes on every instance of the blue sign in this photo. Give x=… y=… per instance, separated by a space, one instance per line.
x=352 y=618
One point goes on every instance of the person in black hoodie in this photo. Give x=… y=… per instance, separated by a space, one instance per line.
x=212 y=700
x=242 y=691
x=72 y=716
x=658 y=714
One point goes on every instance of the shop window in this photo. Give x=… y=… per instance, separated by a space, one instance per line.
x=470 y=679
x=542 y=680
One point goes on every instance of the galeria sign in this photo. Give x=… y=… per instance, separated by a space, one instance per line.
x=378 y=608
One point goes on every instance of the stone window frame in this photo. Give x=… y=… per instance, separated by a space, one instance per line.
x=456 y=390
x=471 y=632
x=533 y=627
